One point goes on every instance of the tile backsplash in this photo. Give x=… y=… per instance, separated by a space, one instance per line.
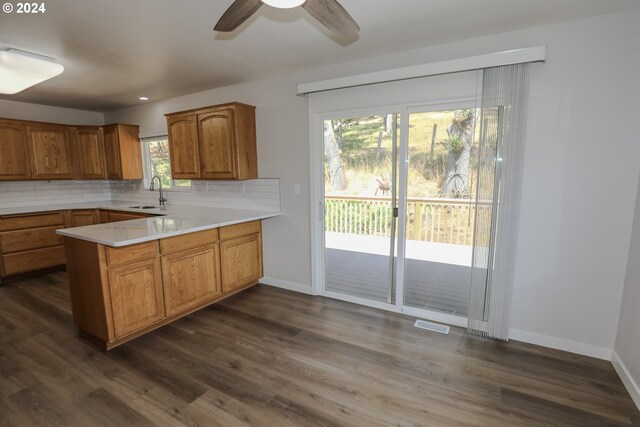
x=257 y=194
x=31 y=193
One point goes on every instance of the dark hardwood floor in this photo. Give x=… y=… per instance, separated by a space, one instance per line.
x=269 y=357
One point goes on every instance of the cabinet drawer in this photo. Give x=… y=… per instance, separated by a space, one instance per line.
x=121 y=216
x=129 y=254
x=31 y=221
x=33 y=238
x=188 y=241
x=22 y=262
x=238 y=230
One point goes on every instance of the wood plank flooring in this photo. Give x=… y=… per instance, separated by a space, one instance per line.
x=269 y=357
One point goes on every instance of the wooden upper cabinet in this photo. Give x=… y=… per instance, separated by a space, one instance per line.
x=122 y=152
x=183 y=143
x=89 y=148
x=112 y=153
x=35 y=150
x=217 y=145
x=14 y=151
x=225 y=138
x=51 y=151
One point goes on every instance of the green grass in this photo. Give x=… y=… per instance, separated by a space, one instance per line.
x=426 y=169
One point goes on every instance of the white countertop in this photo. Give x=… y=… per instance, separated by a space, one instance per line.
x=175 y=220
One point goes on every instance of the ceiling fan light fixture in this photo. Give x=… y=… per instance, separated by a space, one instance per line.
x=20 y=70
x=284 y=4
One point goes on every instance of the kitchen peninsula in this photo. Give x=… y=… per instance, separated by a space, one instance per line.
x=130 y=277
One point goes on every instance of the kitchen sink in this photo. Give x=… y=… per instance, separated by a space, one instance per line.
x=143 y=207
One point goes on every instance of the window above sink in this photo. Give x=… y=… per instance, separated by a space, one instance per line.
x=155 y=161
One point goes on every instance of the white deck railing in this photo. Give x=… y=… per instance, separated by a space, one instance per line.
x=428 y=219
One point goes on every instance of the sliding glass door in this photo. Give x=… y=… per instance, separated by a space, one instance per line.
x=360 y=208
x=399 y=208
x=440 y=210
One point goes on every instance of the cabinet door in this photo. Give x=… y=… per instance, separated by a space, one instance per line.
x=130 y=151
x=217 y=145
x=89 y=148
x=81 y=218
x=190 y=278
x=184 y=154
x=103 y=216
x=112 y=152
x=241 y=260
x=14 y=151
x=51 y=153
x=136 y=296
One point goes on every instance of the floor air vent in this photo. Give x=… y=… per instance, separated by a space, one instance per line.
x=423 y=324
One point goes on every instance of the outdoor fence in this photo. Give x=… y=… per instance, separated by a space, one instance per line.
x=428 y=219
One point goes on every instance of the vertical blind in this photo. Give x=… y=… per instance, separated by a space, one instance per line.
x=500 y=160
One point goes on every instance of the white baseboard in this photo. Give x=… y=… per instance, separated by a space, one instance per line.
x=627 y=379
x=283 y=284
x=561 y=344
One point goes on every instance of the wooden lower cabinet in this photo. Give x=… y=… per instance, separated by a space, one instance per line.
x=113 y=216
x=30 y=238
x=118 y=294
x=191 y=278
x=30 y=243
x=136 y=296
x=37 y=259
x=20 y=222
x=241 y=261
x=82 y=217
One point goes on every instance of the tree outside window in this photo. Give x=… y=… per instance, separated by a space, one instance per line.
x=159 y=164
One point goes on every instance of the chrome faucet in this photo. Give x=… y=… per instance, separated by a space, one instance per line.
x=162 y=200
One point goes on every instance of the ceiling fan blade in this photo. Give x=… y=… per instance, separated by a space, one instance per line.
x=333 y=16
x=238 y=12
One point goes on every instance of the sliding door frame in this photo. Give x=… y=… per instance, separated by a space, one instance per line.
x=317 y=198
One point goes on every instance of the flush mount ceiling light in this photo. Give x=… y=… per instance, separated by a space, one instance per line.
x=283 y=4
x=20 y=70
x=143 y=98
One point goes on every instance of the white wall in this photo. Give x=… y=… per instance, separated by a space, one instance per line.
x=577 y=197
x=627 y=349
x=45 y=113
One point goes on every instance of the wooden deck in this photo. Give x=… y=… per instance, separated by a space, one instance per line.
x=436 y=276
x=269 y=357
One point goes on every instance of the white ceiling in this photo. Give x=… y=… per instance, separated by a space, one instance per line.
x=114 y=51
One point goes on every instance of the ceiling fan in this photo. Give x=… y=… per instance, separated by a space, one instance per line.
x=328 y=12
